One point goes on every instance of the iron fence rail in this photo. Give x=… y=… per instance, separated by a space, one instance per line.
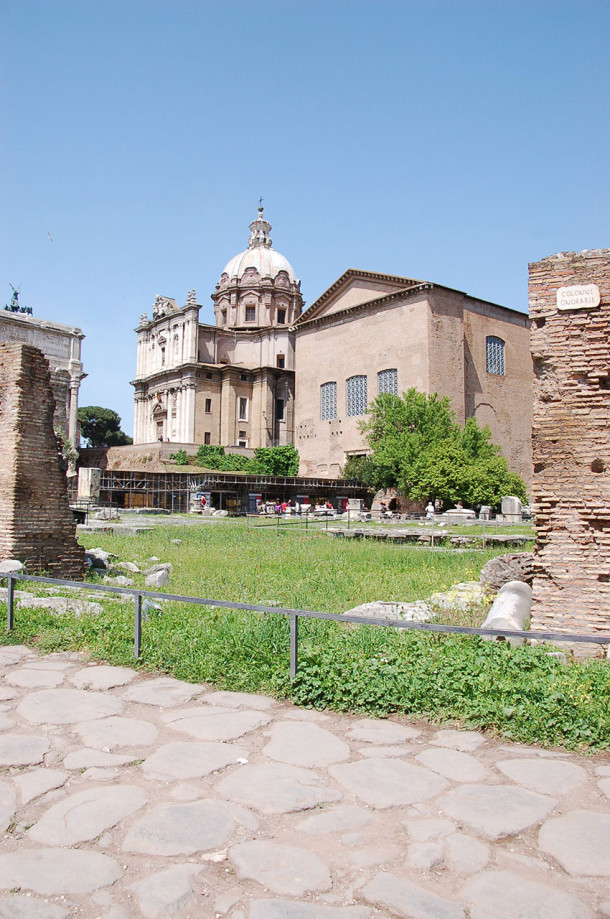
x=294 y=614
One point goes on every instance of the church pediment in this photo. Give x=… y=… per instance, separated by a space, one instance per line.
x=355 y=288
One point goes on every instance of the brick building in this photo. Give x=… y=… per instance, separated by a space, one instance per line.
x=268 y=373
x=570 y=308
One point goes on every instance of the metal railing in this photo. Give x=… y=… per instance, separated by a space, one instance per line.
x=294 y=614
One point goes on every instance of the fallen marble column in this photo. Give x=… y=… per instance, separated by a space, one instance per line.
x=511 y=610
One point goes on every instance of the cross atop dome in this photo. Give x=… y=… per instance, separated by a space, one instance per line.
x=259 y=230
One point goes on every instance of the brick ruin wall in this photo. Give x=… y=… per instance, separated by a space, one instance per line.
x=571 y=441
x=36 y=523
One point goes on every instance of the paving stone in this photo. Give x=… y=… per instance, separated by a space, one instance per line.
x=22 y=749
x=239 y=700
x=303 y=744
x=465 y=854
x=335 y=820
x=28 y=908
x=10 y=656
x=97 y=774
x=67 y=706
x=409 y=900
x=468 y=741
x=191 y=760
x=34 y=679
x=84 y=815
x=8 y=804
x=604 y=786
x=425 y=855
x=165 y=893
x=495 y=811
x=210 y=723
x=460 y=767
x=57 y=872
x=432 y=828
x=49 y=663
x=38 y=781
x=603 y=771
x=6 y=693
x=6 y=723
x=511 y=896
x=116 y=731
x=181 y=829
x=289 y=909
x=276 y=788
x=87 y=758
x=604 y=908
x=387 y=783
x=580 y=841
x=550 y=777
x=283 y=869
x=164 y=692
x=102 y=677
x=379 y=731
x=404 y=750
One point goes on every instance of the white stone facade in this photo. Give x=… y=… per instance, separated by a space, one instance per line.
x=61 y=345
x=232 y=383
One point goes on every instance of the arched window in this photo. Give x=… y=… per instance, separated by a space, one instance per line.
x=328 y=401
x=387 y=381
x=356 y=395
x=494 y=351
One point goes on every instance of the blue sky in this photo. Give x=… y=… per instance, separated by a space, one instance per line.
x=447 y=140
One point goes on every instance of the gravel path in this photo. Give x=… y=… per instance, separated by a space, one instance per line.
x=127 y=795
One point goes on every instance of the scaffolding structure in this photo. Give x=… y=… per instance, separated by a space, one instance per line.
x=229 y=491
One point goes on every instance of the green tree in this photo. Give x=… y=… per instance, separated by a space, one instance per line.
x=418 y=446
x=277 y=460
x=101 y=427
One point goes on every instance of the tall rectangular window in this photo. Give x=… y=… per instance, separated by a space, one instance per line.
x=207 y=437
x=281 y=317
x=387 y=381
x=250 y=314
x=494 y=353
x=208 y=406
x=243 y=408
x=328 y=401
x=356 y=395
x=279 y=409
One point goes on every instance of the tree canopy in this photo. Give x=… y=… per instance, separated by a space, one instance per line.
x=101 y=427
x=418 y=446
x=278 y=461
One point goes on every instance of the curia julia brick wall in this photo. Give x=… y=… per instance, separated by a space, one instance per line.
x=569 y=297
x=36 y=523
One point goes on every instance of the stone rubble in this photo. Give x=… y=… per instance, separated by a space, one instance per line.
x=126 y=795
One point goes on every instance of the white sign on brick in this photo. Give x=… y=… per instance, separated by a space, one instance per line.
x=578 y=297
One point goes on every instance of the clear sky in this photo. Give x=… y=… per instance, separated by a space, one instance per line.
x=449 y=140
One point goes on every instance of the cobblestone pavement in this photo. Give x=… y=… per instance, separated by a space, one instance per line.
x=127 y=795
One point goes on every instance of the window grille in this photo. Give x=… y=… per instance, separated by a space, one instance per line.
x=250 y=314
x=494 y=348
x=356 y=395
x=328 y=401
x=387 y=381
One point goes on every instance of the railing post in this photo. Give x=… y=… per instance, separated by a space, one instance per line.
x=137 y=625
x=432 y=536
x=294 y=645
x=10 y=594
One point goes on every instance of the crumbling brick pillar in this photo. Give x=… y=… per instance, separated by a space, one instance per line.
x=36 y=523
x=569 y=296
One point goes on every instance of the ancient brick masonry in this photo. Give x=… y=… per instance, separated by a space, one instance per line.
x=36 y=524
x=571 y=441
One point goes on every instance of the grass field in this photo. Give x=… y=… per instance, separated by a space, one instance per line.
x=520 y=692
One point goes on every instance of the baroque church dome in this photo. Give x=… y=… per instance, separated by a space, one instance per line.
x=259 y=254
